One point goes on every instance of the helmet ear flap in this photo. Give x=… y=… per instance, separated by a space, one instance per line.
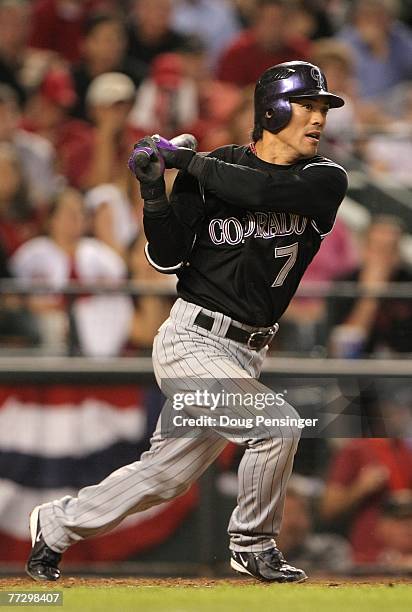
x=278 y=115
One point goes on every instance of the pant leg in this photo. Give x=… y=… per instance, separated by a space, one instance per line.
x=263 y=474
x=164 y=472
x=267 y=463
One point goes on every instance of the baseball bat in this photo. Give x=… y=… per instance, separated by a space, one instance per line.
x=142 y=156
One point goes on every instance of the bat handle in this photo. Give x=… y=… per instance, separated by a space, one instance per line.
x=187 y=141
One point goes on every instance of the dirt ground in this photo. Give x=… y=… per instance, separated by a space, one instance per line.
x=23 y=583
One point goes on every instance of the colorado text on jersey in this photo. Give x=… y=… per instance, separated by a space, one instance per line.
x=256 y=224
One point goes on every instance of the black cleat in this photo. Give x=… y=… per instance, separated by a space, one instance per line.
x=43 y=562
x=268 y=566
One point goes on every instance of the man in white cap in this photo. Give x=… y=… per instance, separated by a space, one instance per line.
x=109 y=100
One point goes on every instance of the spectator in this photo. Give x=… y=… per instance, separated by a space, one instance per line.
x=171 y=100
x=150 y=310
x=103 y=50
x=394 y=531
x=14 y=23
x=362 y=475
x=245 y=10
x=340 y=255
x=109 y=100
x=113 y=217
x=218 y=102
x=382 y=46
x=388 y=148
x=18 y=327
x=309 y=19
x=339 y=138
x=238 y=125
x=150 y=30
x=18 y=222
x=19 y=65
x=36 y=154
x=319 y=552
x=167 y=101
x=195 y=62
x=395 y=407
x=304 y=320
x=378 y=324
x=101 y=322
x=266 y=43
x=336 y=60
x=214 y=21
x=58 y=24
x=48 y=114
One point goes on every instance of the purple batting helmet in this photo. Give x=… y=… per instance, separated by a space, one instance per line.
x=278 y=84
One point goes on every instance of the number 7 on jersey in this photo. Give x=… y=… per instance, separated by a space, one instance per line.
x=291 y=252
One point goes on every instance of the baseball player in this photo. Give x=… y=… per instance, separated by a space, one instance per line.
x=241 y=227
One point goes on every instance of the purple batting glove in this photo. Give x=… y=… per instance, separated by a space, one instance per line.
x=145 y=161
x=139 y=158
x=173 y=156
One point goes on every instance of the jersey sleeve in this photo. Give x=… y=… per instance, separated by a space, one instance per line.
x=171 y=230
x=315 y=191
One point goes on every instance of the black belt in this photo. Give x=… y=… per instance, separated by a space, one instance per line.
x=253 y=340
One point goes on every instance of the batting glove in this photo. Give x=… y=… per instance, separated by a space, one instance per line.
x=148 y=166
x=173 y=156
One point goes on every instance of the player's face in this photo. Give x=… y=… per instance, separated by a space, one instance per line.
x=302 y=134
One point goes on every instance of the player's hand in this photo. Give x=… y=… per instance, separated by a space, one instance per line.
x=148 y=167
x=173 y=156
x=145 y=161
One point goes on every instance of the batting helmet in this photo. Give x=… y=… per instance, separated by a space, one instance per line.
x=279 y=83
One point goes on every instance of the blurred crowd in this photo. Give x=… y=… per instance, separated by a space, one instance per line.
x=82 y=80
x=363 y=513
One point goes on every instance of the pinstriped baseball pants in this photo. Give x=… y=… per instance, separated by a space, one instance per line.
x=183 y=350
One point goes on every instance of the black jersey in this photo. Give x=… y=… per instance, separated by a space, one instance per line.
x=240 y=232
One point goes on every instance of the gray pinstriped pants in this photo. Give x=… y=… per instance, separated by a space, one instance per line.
x=182 y=350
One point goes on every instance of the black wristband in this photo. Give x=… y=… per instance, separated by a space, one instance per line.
x=153 y=191
x=156 y=207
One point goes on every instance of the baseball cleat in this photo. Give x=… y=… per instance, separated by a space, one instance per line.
x=268 y=566
x=42 y=563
